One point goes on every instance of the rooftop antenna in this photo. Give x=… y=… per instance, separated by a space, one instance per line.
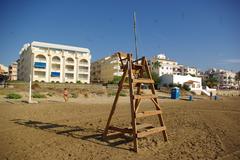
x=135 y=34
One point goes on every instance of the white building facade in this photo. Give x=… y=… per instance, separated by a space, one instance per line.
x=225 y=78
x=195 y=83
x=48 y=62
x=166 y=66
x=171 y=67
x=3 y=70
x=12 y=70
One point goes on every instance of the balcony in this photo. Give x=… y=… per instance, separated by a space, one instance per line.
x=70 y=61
x=56 y=67
x=69 y=68
x=83 y=62
x=39 y=74
x=56 y=60
x=69 y=76
x=83 y=69
x=83 y=77
x=40 y=65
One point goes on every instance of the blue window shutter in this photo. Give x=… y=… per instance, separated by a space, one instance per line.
x=40 y=65
x=55 y=74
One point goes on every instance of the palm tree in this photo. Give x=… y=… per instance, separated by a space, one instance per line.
x=212 y=82
x=156 y=65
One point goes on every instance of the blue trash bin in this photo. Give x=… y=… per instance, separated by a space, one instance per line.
x=175 y=93
x=190 y=98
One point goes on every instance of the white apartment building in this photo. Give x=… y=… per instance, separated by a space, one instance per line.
x=105 y=69
x=12 y=70
x=171 y=67
x=3 y=70
x=185 y=70
x=166 y=66
x=48 y=62
x=226 y=78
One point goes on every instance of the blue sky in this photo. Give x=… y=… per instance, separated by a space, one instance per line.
x=200 y=33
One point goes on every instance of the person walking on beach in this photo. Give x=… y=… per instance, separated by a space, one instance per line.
x=211 y=94
x=65 y=94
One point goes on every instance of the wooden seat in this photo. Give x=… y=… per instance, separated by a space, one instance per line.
x=143 y=80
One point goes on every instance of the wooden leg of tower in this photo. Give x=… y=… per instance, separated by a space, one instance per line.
x=134 y=127
x=111 y=113
x=133 y=110
x=115 y=101
x=160 y=119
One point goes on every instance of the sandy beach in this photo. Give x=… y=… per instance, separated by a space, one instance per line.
x=199 y=129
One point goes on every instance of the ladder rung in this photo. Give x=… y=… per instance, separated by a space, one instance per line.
x=144 y=126
x=150 y=131
x=125 y=84
x=146 y=96
x=123 y=130
x=143 y=80
x=148 y=113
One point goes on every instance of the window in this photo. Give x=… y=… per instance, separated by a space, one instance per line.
x=70 y=60
x=83 y=61
x=56 y=59
x=40 y=58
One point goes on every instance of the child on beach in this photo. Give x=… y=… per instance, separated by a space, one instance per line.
x=65 y=94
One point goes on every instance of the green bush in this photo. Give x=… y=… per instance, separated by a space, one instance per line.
x=111 y=94
x=74 y=95
x=79 y=82
x=14 y=96
x=50 y=94
x=123 y=94
x=38 y=95
x=186 y=87
x=115 y=80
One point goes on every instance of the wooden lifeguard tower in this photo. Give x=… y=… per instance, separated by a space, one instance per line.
x=136 y=72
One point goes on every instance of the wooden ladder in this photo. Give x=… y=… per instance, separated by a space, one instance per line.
x=135 y=70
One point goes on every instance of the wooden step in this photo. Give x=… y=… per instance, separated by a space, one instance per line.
x=125 y=84
x=145 y=96
x=143 y=80
x=144 y=126
x=150 y=131
x=148 y=113
x=122 y=130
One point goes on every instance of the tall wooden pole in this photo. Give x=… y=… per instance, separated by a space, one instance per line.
x=135 y=34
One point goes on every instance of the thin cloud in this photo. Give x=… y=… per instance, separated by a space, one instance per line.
x=234 y=61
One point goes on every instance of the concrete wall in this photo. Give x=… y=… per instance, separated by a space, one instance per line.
x=228 y=92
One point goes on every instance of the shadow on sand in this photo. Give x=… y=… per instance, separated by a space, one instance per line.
x=88 y=134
